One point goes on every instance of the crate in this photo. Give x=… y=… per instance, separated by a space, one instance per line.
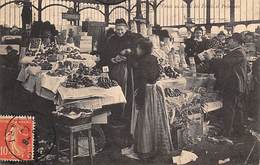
x=195 y=127
x=194 y=130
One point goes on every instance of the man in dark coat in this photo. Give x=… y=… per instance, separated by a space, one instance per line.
x=8 y=74
x=233 y=83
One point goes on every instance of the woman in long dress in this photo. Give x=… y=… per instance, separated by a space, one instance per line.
x=151 y=132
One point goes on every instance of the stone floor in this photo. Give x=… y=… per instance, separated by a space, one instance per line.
x=208 y=152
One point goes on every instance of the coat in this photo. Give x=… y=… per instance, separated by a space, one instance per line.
x=147 y=72
x=233 y=73
x=115 y=44
x=193 y=48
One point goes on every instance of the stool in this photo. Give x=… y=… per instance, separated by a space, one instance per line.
x=72 y=130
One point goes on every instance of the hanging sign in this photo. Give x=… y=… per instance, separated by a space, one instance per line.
x=71 y=16
x=111 y=2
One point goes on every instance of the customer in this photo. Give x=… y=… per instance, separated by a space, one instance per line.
x=249 y=37
x=195 y=45
x=152 y=132
x=233 y=83
x=9 y=73
x=256 y=92
x=218 y=42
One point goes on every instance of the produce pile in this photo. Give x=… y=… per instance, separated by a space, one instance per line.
x=80 y=74
x=81 y=81
x=84 y=70
x=182 y=111
x=42 y=62
x=75 y=54
x=171 y=92
x=73 y=112
x=64 y=69
x=105 y=82
x=87 y=77
x=77 y=81
x=169 y=72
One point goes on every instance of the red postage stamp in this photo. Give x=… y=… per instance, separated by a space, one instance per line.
x=16 y=138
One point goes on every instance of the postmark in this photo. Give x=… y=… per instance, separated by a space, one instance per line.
x=16 y=138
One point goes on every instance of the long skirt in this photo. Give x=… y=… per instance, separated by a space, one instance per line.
x=152 y=130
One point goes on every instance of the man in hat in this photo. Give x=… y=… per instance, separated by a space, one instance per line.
x=233 y=84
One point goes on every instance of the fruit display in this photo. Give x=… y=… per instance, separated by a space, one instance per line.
x=77 y=81
x=30 y=53
x=105 y=82
x=83 y=69
x=170 y=92
x=170 y=72
x=65 y=64
x=76 y=110
x=41 y=61
x=75 y=54
x=45 y=65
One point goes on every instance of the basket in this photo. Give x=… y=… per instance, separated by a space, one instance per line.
x=72 y=122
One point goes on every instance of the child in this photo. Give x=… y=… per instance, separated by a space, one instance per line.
x=151 y=132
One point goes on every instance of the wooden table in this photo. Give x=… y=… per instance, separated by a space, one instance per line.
x=71 y=131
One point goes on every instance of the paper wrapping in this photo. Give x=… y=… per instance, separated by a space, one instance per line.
x=90 y=92
x=51 y=83
x=179 y=83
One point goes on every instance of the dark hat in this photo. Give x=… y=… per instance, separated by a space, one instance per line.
x=165 y=34
x=221 y=33
x=120 y=21
x=198 y=29
x=237 y=37
x=9 y=47
x=249 y=34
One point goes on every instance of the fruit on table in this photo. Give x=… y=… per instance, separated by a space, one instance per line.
x=75 y=54
x=46 y=65
x=105 y=82
x=83 y=69
x=58 y=72
x=170 y=92
x=67 y=64
x=77 y=81
x=170 y=72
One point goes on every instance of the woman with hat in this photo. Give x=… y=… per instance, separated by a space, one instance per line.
x=117 y=52
x=195 y=45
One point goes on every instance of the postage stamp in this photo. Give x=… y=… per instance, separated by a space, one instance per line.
x=16 y=138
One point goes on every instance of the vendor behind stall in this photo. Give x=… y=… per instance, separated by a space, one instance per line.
x=233 y=83
x=115 y=52
x=195 y=45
